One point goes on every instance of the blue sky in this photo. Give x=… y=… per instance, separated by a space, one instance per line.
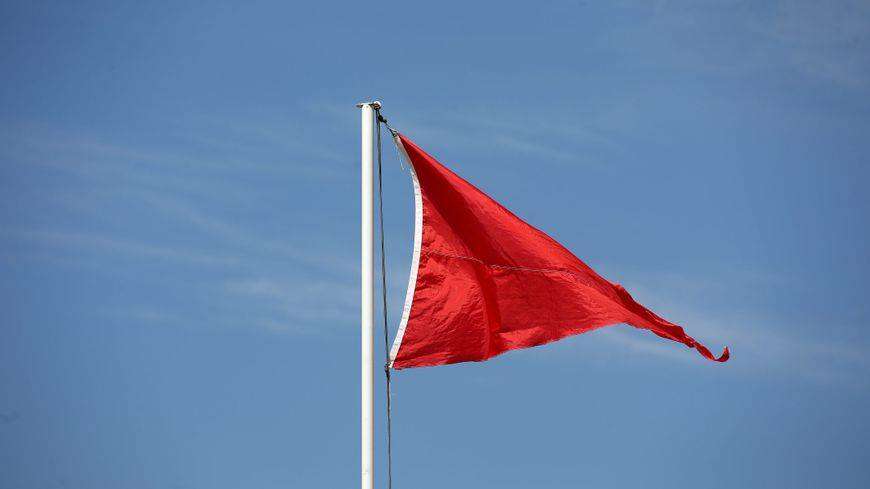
x=179 y=240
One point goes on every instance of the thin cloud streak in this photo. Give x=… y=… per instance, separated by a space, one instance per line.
x=107 y=174
x=297 y=304
x=242 y=238
x=819 y=41
x=760 y=342
x=60 y=239
x=110 y=164
x=485 y=131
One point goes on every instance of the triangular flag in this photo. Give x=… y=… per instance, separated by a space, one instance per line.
x=484 y=282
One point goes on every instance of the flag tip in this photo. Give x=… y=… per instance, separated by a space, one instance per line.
x=726 y=353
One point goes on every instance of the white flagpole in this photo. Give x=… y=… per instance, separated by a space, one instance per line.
x=367 y=309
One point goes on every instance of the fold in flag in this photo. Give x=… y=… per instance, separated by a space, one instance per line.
x=484 y=282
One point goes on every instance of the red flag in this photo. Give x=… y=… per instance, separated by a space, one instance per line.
x=484 y=282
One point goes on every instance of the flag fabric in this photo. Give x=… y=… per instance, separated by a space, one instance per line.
x=484 y=282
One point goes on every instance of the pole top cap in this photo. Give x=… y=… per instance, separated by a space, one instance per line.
x=375 y=104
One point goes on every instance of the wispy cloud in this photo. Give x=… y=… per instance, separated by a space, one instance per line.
x=761 y=342
x=147 y=315
x=646 y=344
x=241 y=238
x=298 y=305
x=198 y=160
x=768 y=349
x=826 y=41
x=184 y=189
x=821 y=41
x=548 y=138
x=61 y=239
x=285 y=135
x=113 y=173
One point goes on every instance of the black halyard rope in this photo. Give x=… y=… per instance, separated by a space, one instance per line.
x=384 y=296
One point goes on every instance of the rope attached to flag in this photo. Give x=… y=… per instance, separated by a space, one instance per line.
x=382 y=120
